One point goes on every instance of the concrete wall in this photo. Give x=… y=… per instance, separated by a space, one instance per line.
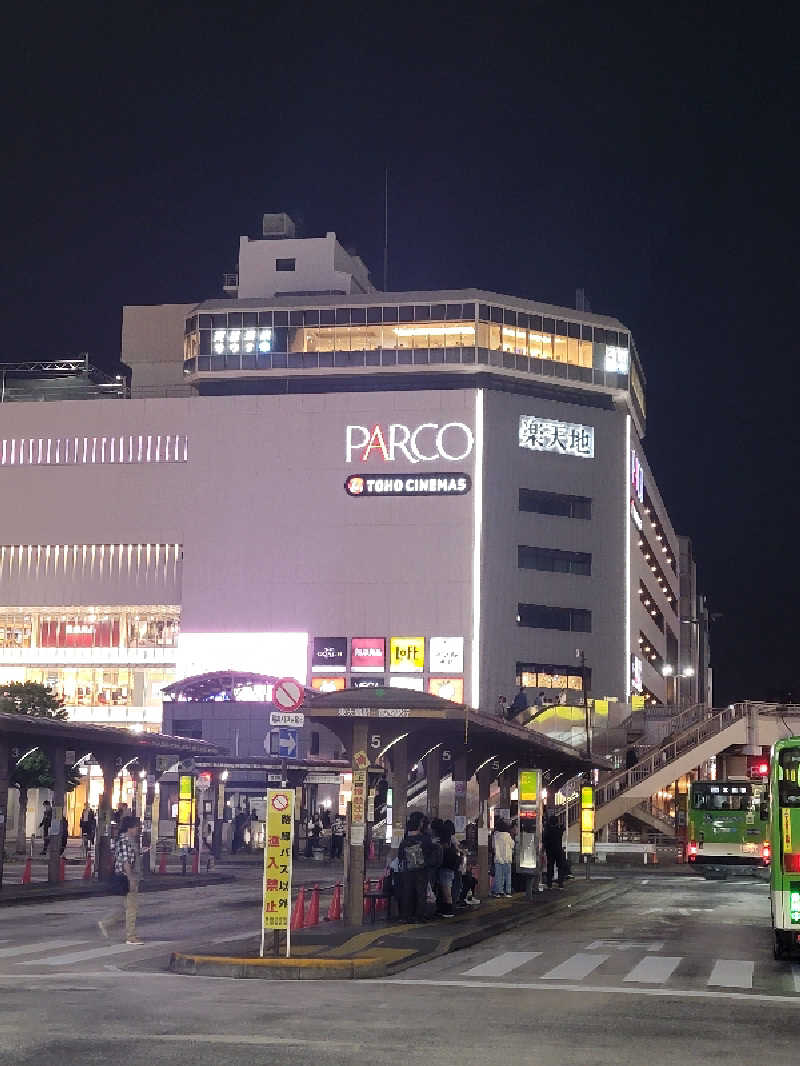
x=321 y=265
x=152 y=344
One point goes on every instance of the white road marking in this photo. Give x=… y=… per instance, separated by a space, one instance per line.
x=41 y=945
x=575 y=968
x=233 y=936
x=654 y=969
x=501 y=964
x=626 y=945
x=94 y=953
x=732 y=973
x=603 y=990
x=249 y=1040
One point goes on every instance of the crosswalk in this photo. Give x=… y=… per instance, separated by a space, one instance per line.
x=53 y=952
x=635 y=963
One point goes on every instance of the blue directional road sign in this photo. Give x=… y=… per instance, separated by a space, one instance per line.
x=287 y=743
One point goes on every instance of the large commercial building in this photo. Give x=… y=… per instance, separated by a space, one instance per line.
x=438 y=490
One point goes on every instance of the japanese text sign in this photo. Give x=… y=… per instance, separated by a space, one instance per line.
x=550 y=435
x=278 y=858
x=359 y=797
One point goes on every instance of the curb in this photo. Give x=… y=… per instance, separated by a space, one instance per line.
x=320 y=969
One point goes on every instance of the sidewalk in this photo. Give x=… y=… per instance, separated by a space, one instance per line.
x=334 y=950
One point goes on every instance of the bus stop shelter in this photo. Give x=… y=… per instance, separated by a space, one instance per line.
x=68 y=742
x=397 y=728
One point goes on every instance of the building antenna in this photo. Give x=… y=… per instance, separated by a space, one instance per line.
x=386 y=231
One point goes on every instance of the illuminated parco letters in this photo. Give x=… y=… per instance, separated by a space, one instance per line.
x=427 y=443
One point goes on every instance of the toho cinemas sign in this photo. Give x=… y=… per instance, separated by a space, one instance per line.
x=429 y=442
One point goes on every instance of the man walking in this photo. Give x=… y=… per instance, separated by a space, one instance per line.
x=44 y=825
x=126 y=864
x=553 y=849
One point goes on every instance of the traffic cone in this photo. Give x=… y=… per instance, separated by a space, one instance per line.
x=26 y=873
x=162 y=863
x=312 y=914
x=62 y=869
x=87 y=870
x=335 y=909
x=297 y=910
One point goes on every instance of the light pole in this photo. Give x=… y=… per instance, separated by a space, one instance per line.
x=668 y=673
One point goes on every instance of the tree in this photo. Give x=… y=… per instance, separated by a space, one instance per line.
x=33 y=770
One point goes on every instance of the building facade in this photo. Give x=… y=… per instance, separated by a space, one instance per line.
x=436 y=490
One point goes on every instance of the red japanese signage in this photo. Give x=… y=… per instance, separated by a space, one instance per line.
x=368 y=653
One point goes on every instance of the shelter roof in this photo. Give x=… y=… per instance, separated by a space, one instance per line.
x=100 y=736
x=216 y=684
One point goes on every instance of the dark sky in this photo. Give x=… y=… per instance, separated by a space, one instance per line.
x=644 y=151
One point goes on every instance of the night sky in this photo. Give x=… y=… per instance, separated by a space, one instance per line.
x=645 y=152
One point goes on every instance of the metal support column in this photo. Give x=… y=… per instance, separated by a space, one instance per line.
x=56 y=753
x=433 y=776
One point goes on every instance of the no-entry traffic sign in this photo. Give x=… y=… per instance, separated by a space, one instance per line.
x=287 y=694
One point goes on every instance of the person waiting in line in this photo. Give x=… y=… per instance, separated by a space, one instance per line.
x=451 y=860
x=88 y=828
x=414 y=859
x=553 y=849
x=503 y=854
x=63 y=835
x=337 y=838
x=468 y=883
x=44 y=825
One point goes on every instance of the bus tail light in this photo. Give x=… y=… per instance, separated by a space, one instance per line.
x=791 y=862
x=766 y=853
x=691 y=851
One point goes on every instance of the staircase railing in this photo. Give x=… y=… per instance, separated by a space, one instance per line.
x=706 y=725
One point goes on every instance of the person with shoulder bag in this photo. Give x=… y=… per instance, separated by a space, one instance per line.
x=125 y=881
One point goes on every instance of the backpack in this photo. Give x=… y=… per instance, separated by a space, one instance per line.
x=413 y=857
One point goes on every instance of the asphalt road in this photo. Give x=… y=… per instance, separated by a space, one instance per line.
x=678 y=968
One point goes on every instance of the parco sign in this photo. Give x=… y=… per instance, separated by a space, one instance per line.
x=427 y=443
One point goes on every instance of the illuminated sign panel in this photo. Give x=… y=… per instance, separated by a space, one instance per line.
x=367 y=682
x=449 y=688
x=406 y=653
x=637 y=518
x=282 y=654
x=413 y=683
x=617 y=359
x=435 y=484
x=426 y=443
x=368 y=653
x=550 y=435
x=636 y=673
x=447 y=655
x=327 y=684
x=329 y=654
x=637 y=477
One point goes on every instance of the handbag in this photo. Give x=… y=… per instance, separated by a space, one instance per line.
x=120 y=886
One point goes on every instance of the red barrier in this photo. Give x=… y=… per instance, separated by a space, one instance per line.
x=335 y=909
x=312 y=914
x=62 y=869
x=297 y=911
x=26 y=873
x=162 y=863
x=87 y=870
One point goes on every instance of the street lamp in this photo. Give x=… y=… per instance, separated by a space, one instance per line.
x=667 y=670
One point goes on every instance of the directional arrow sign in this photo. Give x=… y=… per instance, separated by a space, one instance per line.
x=287 y=743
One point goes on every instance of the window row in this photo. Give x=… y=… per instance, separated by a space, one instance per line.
x=545 y=675
x=650 y=605
x=652 y=557
x=90 y=629
x=554 y=560
x=445 y=334
x=541 y=616
x=92 y=686
x=407 y=314
x=649 y=652
x=78 y=451
x=562 y=504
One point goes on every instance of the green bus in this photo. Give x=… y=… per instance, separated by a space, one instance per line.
x=727 y=825
x=784 y=809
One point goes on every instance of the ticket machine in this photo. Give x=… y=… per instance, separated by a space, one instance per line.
x=529 y=843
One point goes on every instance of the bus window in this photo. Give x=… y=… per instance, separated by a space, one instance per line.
x=788 y=794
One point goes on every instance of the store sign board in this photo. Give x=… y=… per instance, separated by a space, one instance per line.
x=406 y=653
x=368 y=653
x=359 y=800
x=448 y=688
x=327 y=684
x=637 y=477
x=415 y=684
x=329 y=653
x=447 y=655
x=429 y=442
x=528 y=785
x=550 y=435
x=435 y=484
x=367 y=682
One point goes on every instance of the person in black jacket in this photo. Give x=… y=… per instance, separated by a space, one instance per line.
x=415 y=856
x=553 y=849
x=44 y=825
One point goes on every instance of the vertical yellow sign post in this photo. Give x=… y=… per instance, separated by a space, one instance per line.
x=186 y=810
x=277 y=890
x=587 y=825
